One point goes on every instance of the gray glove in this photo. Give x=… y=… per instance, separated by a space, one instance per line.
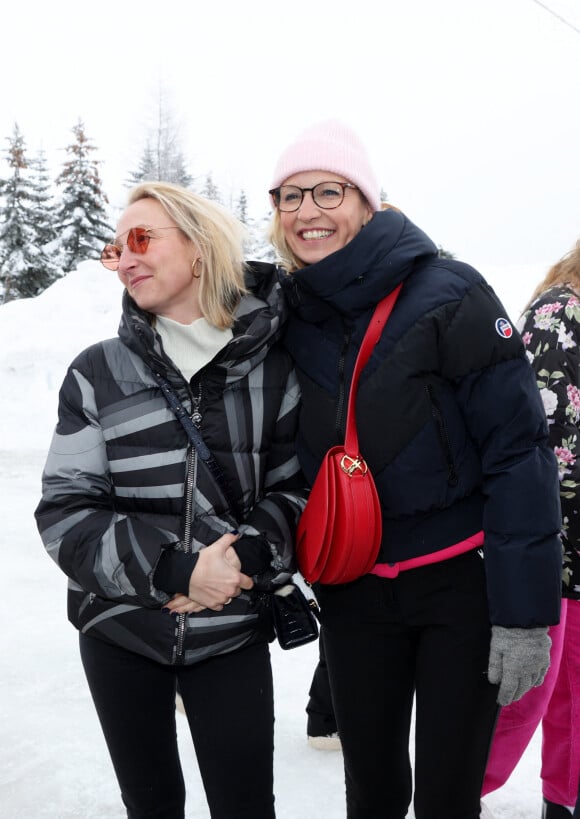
x=518 y=660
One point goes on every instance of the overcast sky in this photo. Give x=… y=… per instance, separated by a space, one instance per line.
x=470 y=108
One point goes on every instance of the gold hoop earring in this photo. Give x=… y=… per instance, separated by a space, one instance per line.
x=193 y=264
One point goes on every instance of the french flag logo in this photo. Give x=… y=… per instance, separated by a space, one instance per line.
x=503 y=328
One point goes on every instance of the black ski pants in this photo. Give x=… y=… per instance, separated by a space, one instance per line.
x=229 y=704
x=422 y=635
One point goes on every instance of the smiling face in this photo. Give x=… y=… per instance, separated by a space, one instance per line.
x=312 y=232
x=160 y=280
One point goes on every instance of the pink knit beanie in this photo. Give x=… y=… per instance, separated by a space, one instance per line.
x=330 y=146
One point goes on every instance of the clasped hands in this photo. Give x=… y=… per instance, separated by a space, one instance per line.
x=215 y=581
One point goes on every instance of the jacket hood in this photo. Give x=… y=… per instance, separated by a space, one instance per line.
x=259 y=318
x=361 y=273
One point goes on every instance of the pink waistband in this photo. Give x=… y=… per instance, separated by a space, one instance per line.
x=391 y=570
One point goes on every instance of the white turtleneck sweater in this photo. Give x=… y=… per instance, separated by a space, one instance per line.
x=191 y=346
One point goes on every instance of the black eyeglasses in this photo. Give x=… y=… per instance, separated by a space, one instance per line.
x=138 y=239
x=326 y=195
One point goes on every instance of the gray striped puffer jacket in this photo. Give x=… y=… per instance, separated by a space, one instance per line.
x=113 y=488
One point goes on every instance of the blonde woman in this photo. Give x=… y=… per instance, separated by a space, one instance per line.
x=163 y=546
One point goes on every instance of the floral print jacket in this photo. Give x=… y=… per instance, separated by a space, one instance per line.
x=550 y=329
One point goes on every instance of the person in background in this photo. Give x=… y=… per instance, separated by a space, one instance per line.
x=451 y=425
x=164 y=547
x=321 y=728
x=550 y=328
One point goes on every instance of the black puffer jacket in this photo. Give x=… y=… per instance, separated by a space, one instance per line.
x=449 y=416
x=114 y=486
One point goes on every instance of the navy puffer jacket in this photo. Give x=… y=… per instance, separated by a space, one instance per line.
x=448 y=412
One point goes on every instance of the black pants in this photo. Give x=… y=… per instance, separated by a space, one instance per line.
x=425 y=633
x=229 y=704
x=321 y=720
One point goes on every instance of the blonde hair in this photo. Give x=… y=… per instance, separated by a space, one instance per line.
x=284 y=255
x=566 y=271
x=218 y=236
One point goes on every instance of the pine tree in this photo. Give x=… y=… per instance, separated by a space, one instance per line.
x=444 y=254
x=210 y=190
x=43 y=212
x=163 y=159
x=258 y=246
x=146 y=172
x=25 y=268
x=82 y=220
x=178 y=171
x=242 y=208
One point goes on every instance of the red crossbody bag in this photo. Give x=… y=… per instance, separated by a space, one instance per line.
x=339 y=533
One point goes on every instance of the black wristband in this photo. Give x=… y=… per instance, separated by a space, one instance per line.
x=174 y=570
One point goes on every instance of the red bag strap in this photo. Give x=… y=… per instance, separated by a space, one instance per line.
x=372 y=335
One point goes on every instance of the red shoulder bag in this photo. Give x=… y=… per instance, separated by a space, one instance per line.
x=339 y=533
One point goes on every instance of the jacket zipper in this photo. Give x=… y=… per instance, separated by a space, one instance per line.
x=452 y=478
x=191 y=483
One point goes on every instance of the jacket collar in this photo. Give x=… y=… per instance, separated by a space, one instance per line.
x=259 y=320
x=359 y=275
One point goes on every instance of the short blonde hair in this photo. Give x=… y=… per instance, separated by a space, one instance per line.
x=218 y=235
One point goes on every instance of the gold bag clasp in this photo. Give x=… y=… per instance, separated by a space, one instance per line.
x=352 y=465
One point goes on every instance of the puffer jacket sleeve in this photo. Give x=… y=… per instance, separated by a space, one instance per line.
x=482 y=355
x=275 y=516
x=551 y=333
x=110 y=554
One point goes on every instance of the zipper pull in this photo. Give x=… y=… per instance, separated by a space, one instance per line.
x=196 y=404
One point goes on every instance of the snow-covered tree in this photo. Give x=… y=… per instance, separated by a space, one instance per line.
x=258 y=246
x=43 y=204
x=210 y=190
x=82 y=219
x=147 y=171
x=26 y=269
x=242 y=207
x=162 y=159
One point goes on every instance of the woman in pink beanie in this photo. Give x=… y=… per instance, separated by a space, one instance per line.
x=454 y=616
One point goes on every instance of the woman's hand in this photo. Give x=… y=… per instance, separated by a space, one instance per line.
x=232 y=557
x=215 y=581
x=180 y=604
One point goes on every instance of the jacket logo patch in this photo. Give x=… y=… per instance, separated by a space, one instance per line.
x=503 y=328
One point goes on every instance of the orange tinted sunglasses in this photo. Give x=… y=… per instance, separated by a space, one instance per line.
x=138 y=239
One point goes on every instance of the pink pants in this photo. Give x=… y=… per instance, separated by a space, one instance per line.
x=556 y=703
